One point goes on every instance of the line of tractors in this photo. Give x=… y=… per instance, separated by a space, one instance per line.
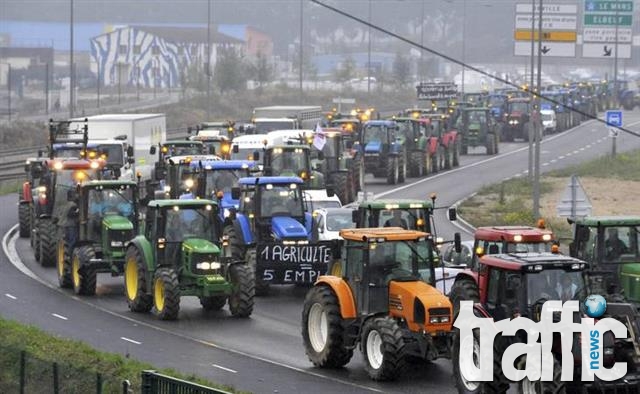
x=223 y=219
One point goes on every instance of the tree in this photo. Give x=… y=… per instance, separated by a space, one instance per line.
x=345 y=71
x=230 y=72
x=401 y=70
x=261 y=71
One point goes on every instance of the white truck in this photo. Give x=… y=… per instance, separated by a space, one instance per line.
x=126 y=139
x=285 y=117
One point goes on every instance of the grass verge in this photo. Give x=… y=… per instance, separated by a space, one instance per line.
x=77 y=363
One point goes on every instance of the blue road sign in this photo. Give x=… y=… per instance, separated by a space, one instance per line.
x=614 y=118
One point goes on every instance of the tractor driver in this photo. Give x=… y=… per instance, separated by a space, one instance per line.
x=614 y=246
x=397 y=220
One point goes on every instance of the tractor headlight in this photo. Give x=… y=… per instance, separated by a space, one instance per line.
x=226 y=212
x=438 y=319
x=205 y=265
x=117 y=244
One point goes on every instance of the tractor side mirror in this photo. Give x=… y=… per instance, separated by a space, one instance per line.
x=131 y=160
x=235 y=193
x=256 y=156
x=348 y=144
x=72 y=195
x=572 y=249
x=457 y=243
x=452 y=214
x=331 y=191
x=355 y=217
x=235 y=149
x=40 y=153
x=152 y=150
x=320 y=155
x=130 y=152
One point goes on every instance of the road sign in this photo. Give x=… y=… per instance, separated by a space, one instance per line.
x=525 y=8
x=608 y=6
x=613 y=118
x=341 y=100
x=561 y=36
x=575 y=202
x=549 y=49
x=613 y=132
x=436 y=91
x=550 y=22
x=606 y=50
x=606 y=34
x=607 y=20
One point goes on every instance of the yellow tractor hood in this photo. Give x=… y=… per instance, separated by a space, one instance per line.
x=421 y=305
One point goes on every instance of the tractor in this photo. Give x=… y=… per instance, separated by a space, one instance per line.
x=415 y=214
x=339 y=163
x=516 y=120
x=98 y=221
x=443 y=140
x=172 y=148
x=478 y=128
x=176 y=176
x=214 y=143
x=412 y=131
x=512 y=239
x=610 y=244
x=33 y=168
x=272 y=232
x=179 y=253
x=497 y=104
x=287 y=153
x=384 y=153
x=380 y=296
x=50 y=199
x=506 y=286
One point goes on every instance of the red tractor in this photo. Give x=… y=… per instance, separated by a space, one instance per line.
x=512 y=239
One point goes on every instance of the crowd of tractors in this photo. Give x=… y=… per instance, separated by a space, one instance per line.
x=227 y=213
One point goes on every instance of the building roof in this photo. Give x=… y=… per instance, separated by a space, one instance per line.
x=187 y=34
x=46 y=54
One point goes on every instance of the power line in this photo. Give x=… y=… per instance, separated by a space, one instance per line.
x=460 y=63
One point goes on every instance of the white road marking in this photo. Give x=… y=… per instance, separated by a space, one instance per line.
x=560 y=157
x=131 y=340
x=575 y=152
x=588 y=146
x=553 y=160
x=545 y=164
x=11 y=296
x=581 y=149
x=568 y=154
x=223 y=368
x=59 y=316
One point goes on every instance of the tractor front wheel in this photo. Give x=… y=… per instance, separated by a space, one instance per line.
x=213 y=303
x=83 y=275
x=62 y=264
x=464 y=289
x=24 y=220
x=323 y=329
x=48 y=242
x=556 y=386
x=462 y=366
x=402 y=168
x=392 y=170
x=261 y=287
x=383 y=348
x=242 y=278
x=135 y=281
x=234 y=242
x=491 y=143
x=341 y=185
x=166 y=294
x=416 y=164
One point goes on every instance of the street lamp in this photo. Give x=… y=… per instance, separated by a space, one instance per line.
x=71 y=65
x=208 y=63
x=369 y=55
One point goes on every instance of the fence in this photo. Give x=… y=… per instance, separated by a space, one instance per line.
x=155 y=383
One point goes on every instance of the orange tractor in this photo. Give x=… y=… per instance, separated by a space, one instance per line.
x=381 y=295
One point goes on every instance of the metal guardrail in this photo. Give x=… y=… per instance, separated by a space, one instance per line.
x=155 y=383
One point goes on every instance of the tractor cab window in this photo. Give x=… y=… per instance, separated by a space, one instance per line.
x=492 y=247
x=222 y=180
x=375 y=133
x=281 y=200
x=477 y=117
x=70 y=178
x=103 y=202
x=396 y=260
x=339 y=221
x=189 y=222
x=527 y=247
x=113 y=152
x=332 y=146
x=285 y=161
x=188 y=180
x=504 y=293
x=410 y=219
x=518 y=106
x=621 y=243
x=243 y=153
x=586 y=243
x=184 y=150
x=554 y=284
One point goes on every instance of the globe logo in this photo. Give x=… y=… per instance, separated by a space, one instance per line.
x=595 y=305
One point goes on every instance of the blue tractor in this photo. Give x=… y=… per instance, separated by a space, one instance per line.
x=384 y=151
x=272 y=231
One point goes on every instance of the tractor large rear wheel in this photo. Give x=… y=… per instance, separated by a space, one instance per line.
x=402 y=168
x=48 y=233
x=213 y=303
x=464 y=289
x=323 y=329
x=83 y=275
x=392 y=170
x=463 y=365
x=35 y=242
x=341 y=185
x=237 y=252
x=63 y=262
x=383 y=348
x=556 y=386
x=242 y=278
x=135 y=281
x=261 y=288
x=491 y=143
x=166 y=294
x=416 y=165
x=24 y=220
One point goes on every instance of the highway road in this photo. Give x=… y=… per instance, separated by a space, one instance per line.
x=264 y=353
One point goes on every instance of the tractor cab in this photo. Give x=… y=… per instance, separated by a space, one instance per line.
x=247 y=147
x=511 y=239
x=497 y=104
x=287 y=153
x=214 y=143
x=611 y=246
x=349 y=125
x=478 y=128
x=336 y=160
x=384 y=151
x=177 y=176
x=404 y=213
x=381 y=296
x=172 y=148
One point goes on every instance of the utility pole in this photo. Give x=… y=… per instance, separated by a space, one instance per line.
x=530 y=131
x=98 y=83
x=301 y=60
x=46 y=88
x=9 y=91
x=369 y=56
x=71 y=67
x=537 y=123
x=464 y=47
x=119 y=81
x=208 y=63
x=421 y=70
x=615 y=62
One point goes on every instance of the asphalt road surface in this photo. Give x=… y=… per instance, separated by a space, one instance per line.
x=264 y=353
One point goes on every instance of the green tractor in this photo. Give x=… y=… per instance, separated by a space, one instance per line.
x=178 y=254
x=99 y=219
x=611 y=245
x=478 y=128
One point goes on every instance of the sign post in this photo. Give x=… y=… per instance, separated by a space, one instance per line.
x=558 y=31
x=614 y=120
x=575 y=202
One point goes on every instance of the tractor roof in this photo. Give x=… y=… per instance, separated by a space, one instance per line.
x=189 y=159
x=181 y=142
x=404 y=119
x=519 y=100
x=386 y=123
x=345 y=120
x=594 y=221
x=381 y=234
x=532 y=262
x=180 y=203
x=395 y=204
x=75 y=164
x=263 y=180
x=469 y=109
x=509 y=234
x=224 y=164
x=108 y=183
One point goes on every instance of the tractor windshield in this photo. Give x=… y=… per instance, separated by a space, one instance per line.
x=244 y=153
x=281 y=200
x=522 y=107
x=113 y=152
x=527 y=247
x=555 y=284
x=183 y=150
x=332 y=146
x=189 y=222
x=406 y=129
x=104 y=201
x=405 y=259
x=72 y=177
x=495 y=101
x=621 y=244
x=409 y=219
x=375 y=133
x=289 y=161
x=222 y=180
